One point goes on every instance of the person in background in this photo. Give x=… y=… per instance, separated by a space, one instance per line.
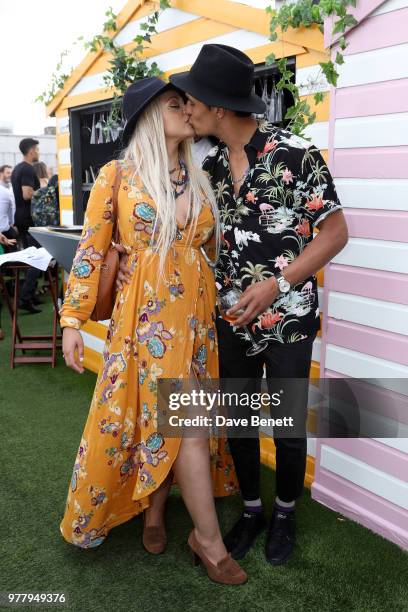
x=25 y=181
x=7 y=211
x=41 y=171
x=54 y=183
x=5 y=244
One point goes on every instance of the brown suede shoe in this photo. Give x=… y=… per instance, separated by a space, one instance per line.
x=227 y=571
x=154 y=539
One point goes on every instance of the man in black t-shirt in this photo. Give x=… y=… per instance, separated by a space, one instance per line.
x=25 y=181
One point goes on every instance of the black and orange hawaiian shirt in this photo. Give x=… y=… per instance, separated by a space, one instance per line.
x=287 y=193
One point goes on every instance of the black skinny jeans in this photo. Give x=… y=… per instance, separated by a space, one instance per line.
x=280 y=361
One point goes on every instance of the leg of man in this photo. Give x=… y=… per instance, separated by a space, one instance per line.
x=287 y=361
x=28 y=289
x=234 y=364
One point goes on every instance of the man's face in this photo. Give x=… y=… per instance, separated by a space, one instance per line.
x=6 y=175
x=34 y=154
x=201 y=117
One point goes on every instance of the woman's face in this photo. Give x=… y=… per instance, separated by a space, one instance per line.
x=176 y=124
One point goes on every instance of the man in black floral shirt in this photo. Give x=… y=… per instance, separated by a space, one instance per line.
x=273 y=189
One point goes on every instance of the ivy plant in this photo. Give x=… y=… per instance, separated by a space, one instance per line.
x=308 y=13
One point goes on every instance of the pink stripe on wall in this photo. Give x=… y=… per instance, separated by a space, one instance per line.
x=362 y=10
x=373 y=99
x=380 y=31
x=361 y=506
x=375 y=454
x=368 y=340
x=371 y=162
x=376 y=284
x=377 y=224
x=380 y=401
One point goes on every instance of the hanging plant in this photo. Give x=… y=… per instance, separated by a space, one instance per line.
x=126 y=67
x=309 y=13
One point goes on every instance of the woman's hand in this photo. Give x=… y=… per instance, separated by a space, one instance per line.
x=71 y=342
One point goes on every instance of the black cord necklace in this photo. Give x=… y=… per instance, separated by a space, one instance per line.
x=181 y=182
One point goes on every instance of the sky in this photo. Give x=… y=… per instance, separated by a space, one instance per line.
x=33 y=34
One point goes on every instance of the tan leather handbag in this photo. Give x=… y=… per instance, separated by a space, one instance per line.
x=105 y=300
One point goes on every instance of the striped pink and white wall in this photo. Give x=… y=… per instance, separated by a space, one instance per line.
x=365 y=301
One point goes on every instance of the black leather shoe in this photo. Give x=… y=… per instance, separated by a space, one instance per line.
x=36 y=301
x=242 y=536
x=28 y=306
x=281 y=537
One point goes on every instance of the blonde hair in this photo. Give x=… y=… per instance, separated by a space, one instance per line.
x=147 y=154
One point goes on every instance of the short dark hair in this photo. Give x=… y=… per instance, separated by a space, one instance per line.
x=26 y=144
x=242 y=114
x=2 y=168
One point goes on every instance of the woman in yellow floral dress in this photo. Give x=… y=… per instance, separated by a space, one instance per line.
x=162 y=327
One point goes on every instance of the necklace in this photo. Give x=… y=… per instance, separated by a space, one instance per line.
x=241 y=178
x=179 y=182
x=183 y=182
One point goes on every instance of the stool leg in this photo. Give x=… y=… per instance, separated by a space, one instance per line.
x=53 y=288
x=14 y=325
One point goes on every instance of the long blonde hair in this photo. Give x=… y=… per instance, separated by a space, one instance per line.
x=146 y=153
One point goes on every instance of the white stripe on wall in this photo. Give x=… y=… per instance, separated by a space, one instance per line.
x=367 y=311
x=320 y=296
x=388 y=6
x=382 y=194
x=375 y=66
x=376 y=254
x=63 y=124
x=400 y=444
x=170 y=18
x=390 y=130
x=241 y=39
x=359 y=365
x=89 y=83
x=64 y=157
x=67 y=217
x=311 y=447
x=365 y=476
x=65 y=187
x=319 y=134
x=317 y=345
x=311 y=80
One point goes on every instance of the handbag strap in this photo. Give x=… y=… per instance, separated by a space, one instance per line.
x=115 y=203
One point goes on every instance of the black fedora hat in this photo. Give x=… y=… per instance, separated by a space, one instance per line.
x=221 y=76
x=136 y=98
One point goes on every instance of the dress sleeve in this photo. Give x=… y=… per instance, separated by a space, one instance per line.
x=82 y=286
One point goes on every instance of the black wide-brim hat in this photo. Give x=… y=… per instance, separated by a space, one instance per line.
x=222 y=76
x=137 y=97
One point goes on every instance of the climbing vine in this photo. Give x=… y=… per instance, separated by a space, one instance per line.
x=309 y=13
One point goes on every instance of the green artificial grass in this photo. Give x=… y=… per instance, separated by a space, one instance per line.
x=338 y=565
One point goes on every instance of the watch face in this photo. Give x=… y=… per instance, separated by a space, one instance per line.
x=284 y=285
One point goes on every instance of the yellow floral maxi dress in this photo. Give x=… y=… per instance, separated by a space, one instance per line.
x=163 y=333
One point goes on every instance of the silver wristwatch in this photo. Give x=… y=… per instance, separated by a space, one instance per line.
x=283 y=284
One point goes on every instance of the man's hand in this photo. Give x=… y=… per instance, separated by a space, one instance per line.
x=255 y=299
x=71 y=342
x=124 y=273
x=8 y=242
